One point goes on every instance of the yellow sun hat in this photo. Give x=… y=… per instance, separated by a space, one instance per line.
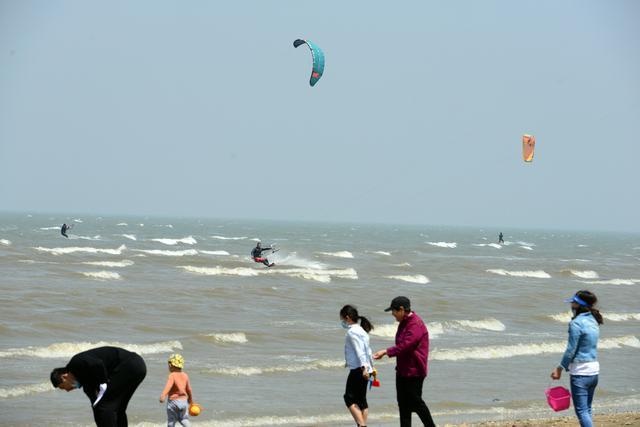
x=176 y=360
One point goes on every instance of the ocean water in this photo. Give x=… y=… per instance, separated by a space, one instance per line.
x=264 y=347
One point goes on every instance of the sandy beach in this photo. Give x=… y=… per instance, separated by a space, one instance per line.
x=604 y=420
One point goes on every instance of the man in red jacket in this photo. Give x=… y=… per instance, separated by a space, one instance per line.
x=411 y=351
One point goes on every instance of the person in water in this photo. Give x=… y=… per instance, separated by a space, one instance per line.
x=500 y=238
x=64 y=229
x=256 y=254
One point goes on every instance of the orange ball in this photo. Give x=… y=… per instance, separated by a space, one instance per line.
x=195 y=409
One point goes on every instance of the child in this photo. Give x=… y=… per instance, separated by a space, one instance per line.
x=178 y=388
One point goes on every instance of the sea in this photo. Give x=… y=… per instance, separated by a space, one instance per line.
x=264 y=346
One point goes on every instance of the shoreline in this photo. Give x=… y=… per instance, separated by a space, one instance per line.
x=618 y=419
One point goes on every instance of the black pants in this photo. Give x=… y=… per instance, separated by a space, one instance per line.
x=409 y=393
x=123 y=382
x=356 y=390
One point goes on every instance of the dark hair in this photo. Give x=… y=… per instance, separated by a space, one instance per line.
x=352 y=313
x=591 y=299
x=56 y=376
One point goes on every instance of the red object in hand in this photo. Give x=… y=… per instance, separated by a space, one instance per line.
x=375 y=383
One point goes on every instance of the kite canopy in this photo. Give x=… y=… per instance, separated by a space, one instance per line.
x=318 y=60
x=528 y=147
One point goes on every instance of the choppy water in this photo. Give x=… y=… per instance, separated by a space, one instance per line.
x=264 y=346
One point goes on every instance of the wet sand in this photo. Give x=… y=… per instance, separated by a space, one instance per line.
x=600 y=420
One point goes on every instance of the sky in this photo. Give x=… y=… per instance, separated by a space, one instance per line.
x=203 y=109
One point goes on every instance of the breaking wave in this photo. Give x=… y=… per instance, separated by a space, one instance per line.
x=506 y=351
x=583 y=274
x=89 y=250
x=129 y=236
x=565 y=317
x=450 y=245
x=339 y=254
x=228 y=238
x=68 y=349
x=322 y=276
x=439 y=328
x=538 y=274
x=186 y=252
x=214 y=252
x=294 y=367
x=102 y=275
x=115 y=264
x=417 y=278
x=171 y=242
x=5 y=242
x=627 y=282
x=491 y=245
x=382 y=253
x=229 y=338
x=25 y=390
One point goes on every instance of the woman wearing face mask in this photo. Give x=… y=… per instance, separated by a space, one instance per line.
x=581 y=356
x=357 y=354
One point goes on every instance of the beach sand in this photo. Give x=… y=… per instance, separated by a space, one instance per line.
x=600 y=420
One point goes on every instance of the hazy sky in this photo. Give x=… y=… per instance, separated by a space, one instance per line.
x=203 y=108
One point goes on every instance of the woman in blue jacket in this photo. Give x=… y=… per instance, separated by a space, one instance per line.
x=581 y=356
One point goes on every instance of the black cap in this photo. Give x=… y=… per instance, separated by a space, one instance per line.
x=398 y=302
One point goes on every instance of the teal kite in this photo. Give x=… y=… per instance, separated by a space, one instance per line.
x=318 y=60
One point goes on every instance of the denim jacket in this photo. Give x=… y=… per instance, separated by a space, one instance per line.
x=582 y=345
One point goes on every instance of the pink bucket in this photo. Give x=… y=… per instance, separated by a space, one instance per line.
x=559 y=398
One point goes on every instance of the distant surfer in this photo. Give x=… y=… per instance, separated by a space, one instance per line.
x=64 y=229
x=500 y=238
x=256 y=254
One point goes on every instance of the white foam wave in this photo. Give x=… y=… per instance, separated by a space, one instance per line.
x=113 y=264
x=76 y=237
x=229 y=238
x=613 y=317
x=5 y=242
x=68 y=349
x=322 y=276
x=450 y=245
x=402 y=264
x=492 y=245
x=416 y=278
x=25 y=390
x=50 y=228
x=130 y=236
x=299 y=366
x=583 y=274
x=78 y=220
x=339 y=254
x=382 y=253
x=506 y=351
x=295 y=261
x=122 y=224
x=102 y=275
x=538 y=274
x=186 y=252
x=626 y=282
x=386 y=331
x=438 y=328
x=529 y=248
x=214 y=252
x=171 y=242
x=229 y=338
x=89 y=250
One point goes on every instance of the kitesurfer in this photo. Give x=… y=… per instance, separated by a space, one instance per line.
x=64 y=229
x=500 y=238
x=256 y=254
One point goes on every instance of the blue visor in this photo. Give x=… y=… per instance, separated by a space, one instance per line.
x=577 y=300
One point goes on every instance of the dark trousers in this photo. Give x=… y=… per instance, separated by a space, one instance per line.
x=123 y=382
x=409 y=393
